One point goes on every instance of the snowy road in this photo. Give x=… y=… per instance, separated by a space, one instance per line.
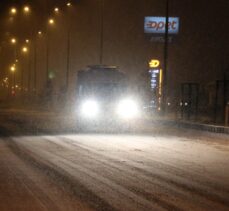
x=166 y=169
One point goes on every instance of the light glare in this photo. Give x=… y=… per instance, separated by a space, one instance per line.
x=26 y=9
x=90 y=109
x=25 y=49
x=13 y=69
x=13 y=10
x=13 y=40
x=51 y=21
x=127 y=109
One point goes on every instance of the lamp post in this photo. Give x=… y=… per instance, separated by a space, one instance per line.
x=24 y=51
x=51 y=22
x=13 y=41
x=164 y=95
x=68 y=59
x=101 y=32
x=13 y=69
x=69 y=5
x=37 y=35
x=32 y=81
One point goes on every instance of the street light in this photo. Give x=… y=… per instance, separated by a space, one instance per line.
x=24 y=49
x=26 y=9
x=13 y=11
x=13 y=41
x=27 y=40
x=69 y=4
x=51 y=21
x=56 y=9
x=13 y=68
x=68 y=46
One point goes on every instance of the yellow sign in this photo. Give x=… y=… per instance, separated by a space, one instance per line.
x=154 y=63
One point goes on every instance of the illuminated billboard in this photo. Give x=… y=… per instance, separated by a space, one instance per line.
x=156 y=25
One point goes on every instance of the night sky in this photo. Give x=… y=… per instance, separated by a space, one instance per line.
x=199 y=53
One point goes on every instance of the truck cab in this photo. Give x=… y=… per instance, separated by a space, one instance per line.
x=103 y=97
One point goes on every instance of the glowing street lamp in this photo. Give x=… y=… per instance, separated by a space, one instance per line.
x=56 y=9
x=13 y=11
x=51 y=21
x=69 y=4
x=39 y=32
x=13 y=41
x=24 y=49
x=12 y=68
x=27 y=40
x=26 y=9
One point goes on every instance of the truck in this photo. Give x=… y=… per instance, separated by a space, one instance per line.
x=103 y=97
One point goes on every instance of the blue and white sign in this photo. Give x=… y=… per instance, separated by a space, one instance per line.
x=156 y=25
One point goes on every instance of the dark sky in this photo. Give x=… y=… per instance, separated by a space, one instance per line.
x=199 y=52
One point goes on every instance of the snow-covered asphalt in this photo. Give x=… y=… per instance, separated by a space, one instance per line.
x=165 y=169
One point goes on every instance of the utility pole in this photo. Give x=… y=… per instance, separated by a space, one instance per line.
x=101 y=32
x=164 y=94
x=68 y=51
x=35 y=65
x=29 y=70
x=47 y=56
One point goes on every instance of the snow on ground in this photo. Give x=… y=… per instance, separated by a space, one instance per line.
x=141 y=172
x=155 y=167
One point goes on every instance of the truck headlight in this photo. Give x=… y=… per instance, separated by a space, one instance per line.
x=128 y=109
x=90 y=109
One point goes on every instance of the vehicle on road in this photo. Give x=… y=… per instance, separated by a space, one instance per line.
x=104 y=98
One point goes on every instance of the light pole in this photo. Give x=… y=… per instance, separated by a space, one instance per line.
x=164 y=95
x=13 y=69
x=29 y=64
x=101 y=32
x=24 y=51
x=14 y=42
x=68 y=59
x=51 y=22
x=37 y=35
x=68 y=46
x=68 y=43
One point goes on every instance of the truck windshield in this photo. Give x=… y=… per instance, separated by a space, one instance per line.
x=103 y=90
